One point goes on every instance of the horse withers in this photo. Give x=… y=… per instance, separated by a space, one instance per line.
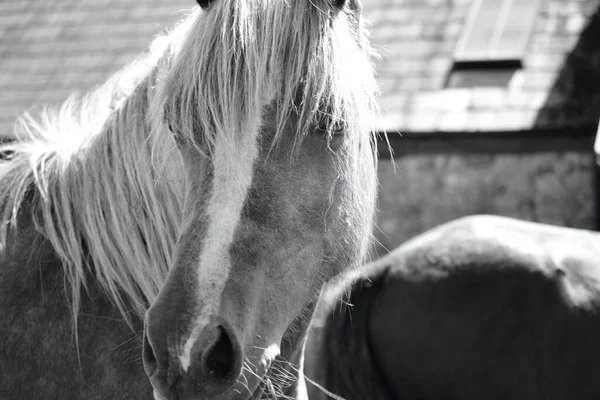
x=221 y=179
x=481 y=307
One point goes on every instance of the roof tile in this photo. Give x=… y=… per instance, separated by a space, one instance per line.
x=559 y=70
x=50 y=49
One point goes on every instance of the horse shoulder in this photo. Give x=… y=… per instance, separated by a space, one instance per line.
x=338 y=355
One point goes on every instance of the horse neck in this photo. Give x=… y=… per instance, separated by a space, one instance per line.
x=111 y=206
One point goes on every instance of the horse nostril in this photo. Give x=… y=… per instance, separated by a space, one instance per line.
x=214 y=366
x=210 y=367
x=150 y=363
x=219 y=360
x=156 y=367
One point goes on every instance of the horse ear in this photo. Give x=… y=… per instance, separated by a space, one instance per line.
x=204 y=3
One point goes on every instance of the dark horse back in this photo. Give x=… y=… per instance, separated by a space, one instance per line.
x=459 y=316
x=40 y=357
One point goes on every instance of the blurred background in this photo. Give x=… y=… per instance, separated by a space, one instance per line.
x=491 y=106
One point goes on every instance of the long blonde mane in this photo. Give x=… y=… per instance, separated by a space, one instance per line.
x=106 y=199
x=105 y=168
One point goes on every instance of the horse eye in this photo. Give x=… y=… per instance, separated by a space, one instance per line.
x=327 y=126
x=171 y=128
x=179 y=140
x=338 y=128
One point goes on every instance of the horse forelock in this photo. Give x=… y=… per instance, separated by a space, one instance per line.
x=241 y=54
x=305 y=57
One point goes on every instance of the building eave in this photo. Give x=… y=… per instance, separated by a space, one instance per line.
x=581 y=139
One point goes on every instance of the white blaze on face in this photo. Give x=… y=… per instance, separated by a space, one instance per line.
x=232 y=176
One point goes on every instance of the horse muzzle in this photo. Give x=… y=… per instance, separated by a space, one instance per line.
x=211 y=369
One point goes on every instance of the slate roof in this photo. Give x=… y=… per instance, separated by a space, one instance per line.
x=558 y=87
x=48 y=49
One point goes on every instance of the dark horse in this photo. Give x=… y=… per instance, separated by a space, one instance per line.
x=168 y=234
x=482 y=307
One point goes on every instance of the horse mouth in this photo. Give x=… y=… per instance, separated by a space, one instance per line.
x=265 y=388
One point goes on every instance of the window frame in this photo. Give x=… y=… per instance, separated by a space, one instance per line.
x=464 y=55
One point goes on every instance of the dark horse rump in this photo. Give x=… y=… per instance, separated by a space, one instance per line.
x=482 y=307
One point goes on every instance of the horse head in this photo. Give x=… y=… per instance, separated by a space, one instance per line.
x=270 y=104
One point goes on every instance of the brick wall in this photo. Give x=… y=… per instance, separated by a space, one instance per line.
x=426 y=190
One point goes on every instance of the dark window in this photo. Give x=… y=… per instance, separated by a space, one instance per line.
x=482 y=73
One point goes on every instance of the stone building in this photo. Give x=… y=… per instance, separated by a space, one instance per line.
x=496 y=101
x=497 y=105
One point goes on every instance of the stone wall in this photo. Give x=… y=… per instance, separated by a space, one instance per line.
x=424 y=190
